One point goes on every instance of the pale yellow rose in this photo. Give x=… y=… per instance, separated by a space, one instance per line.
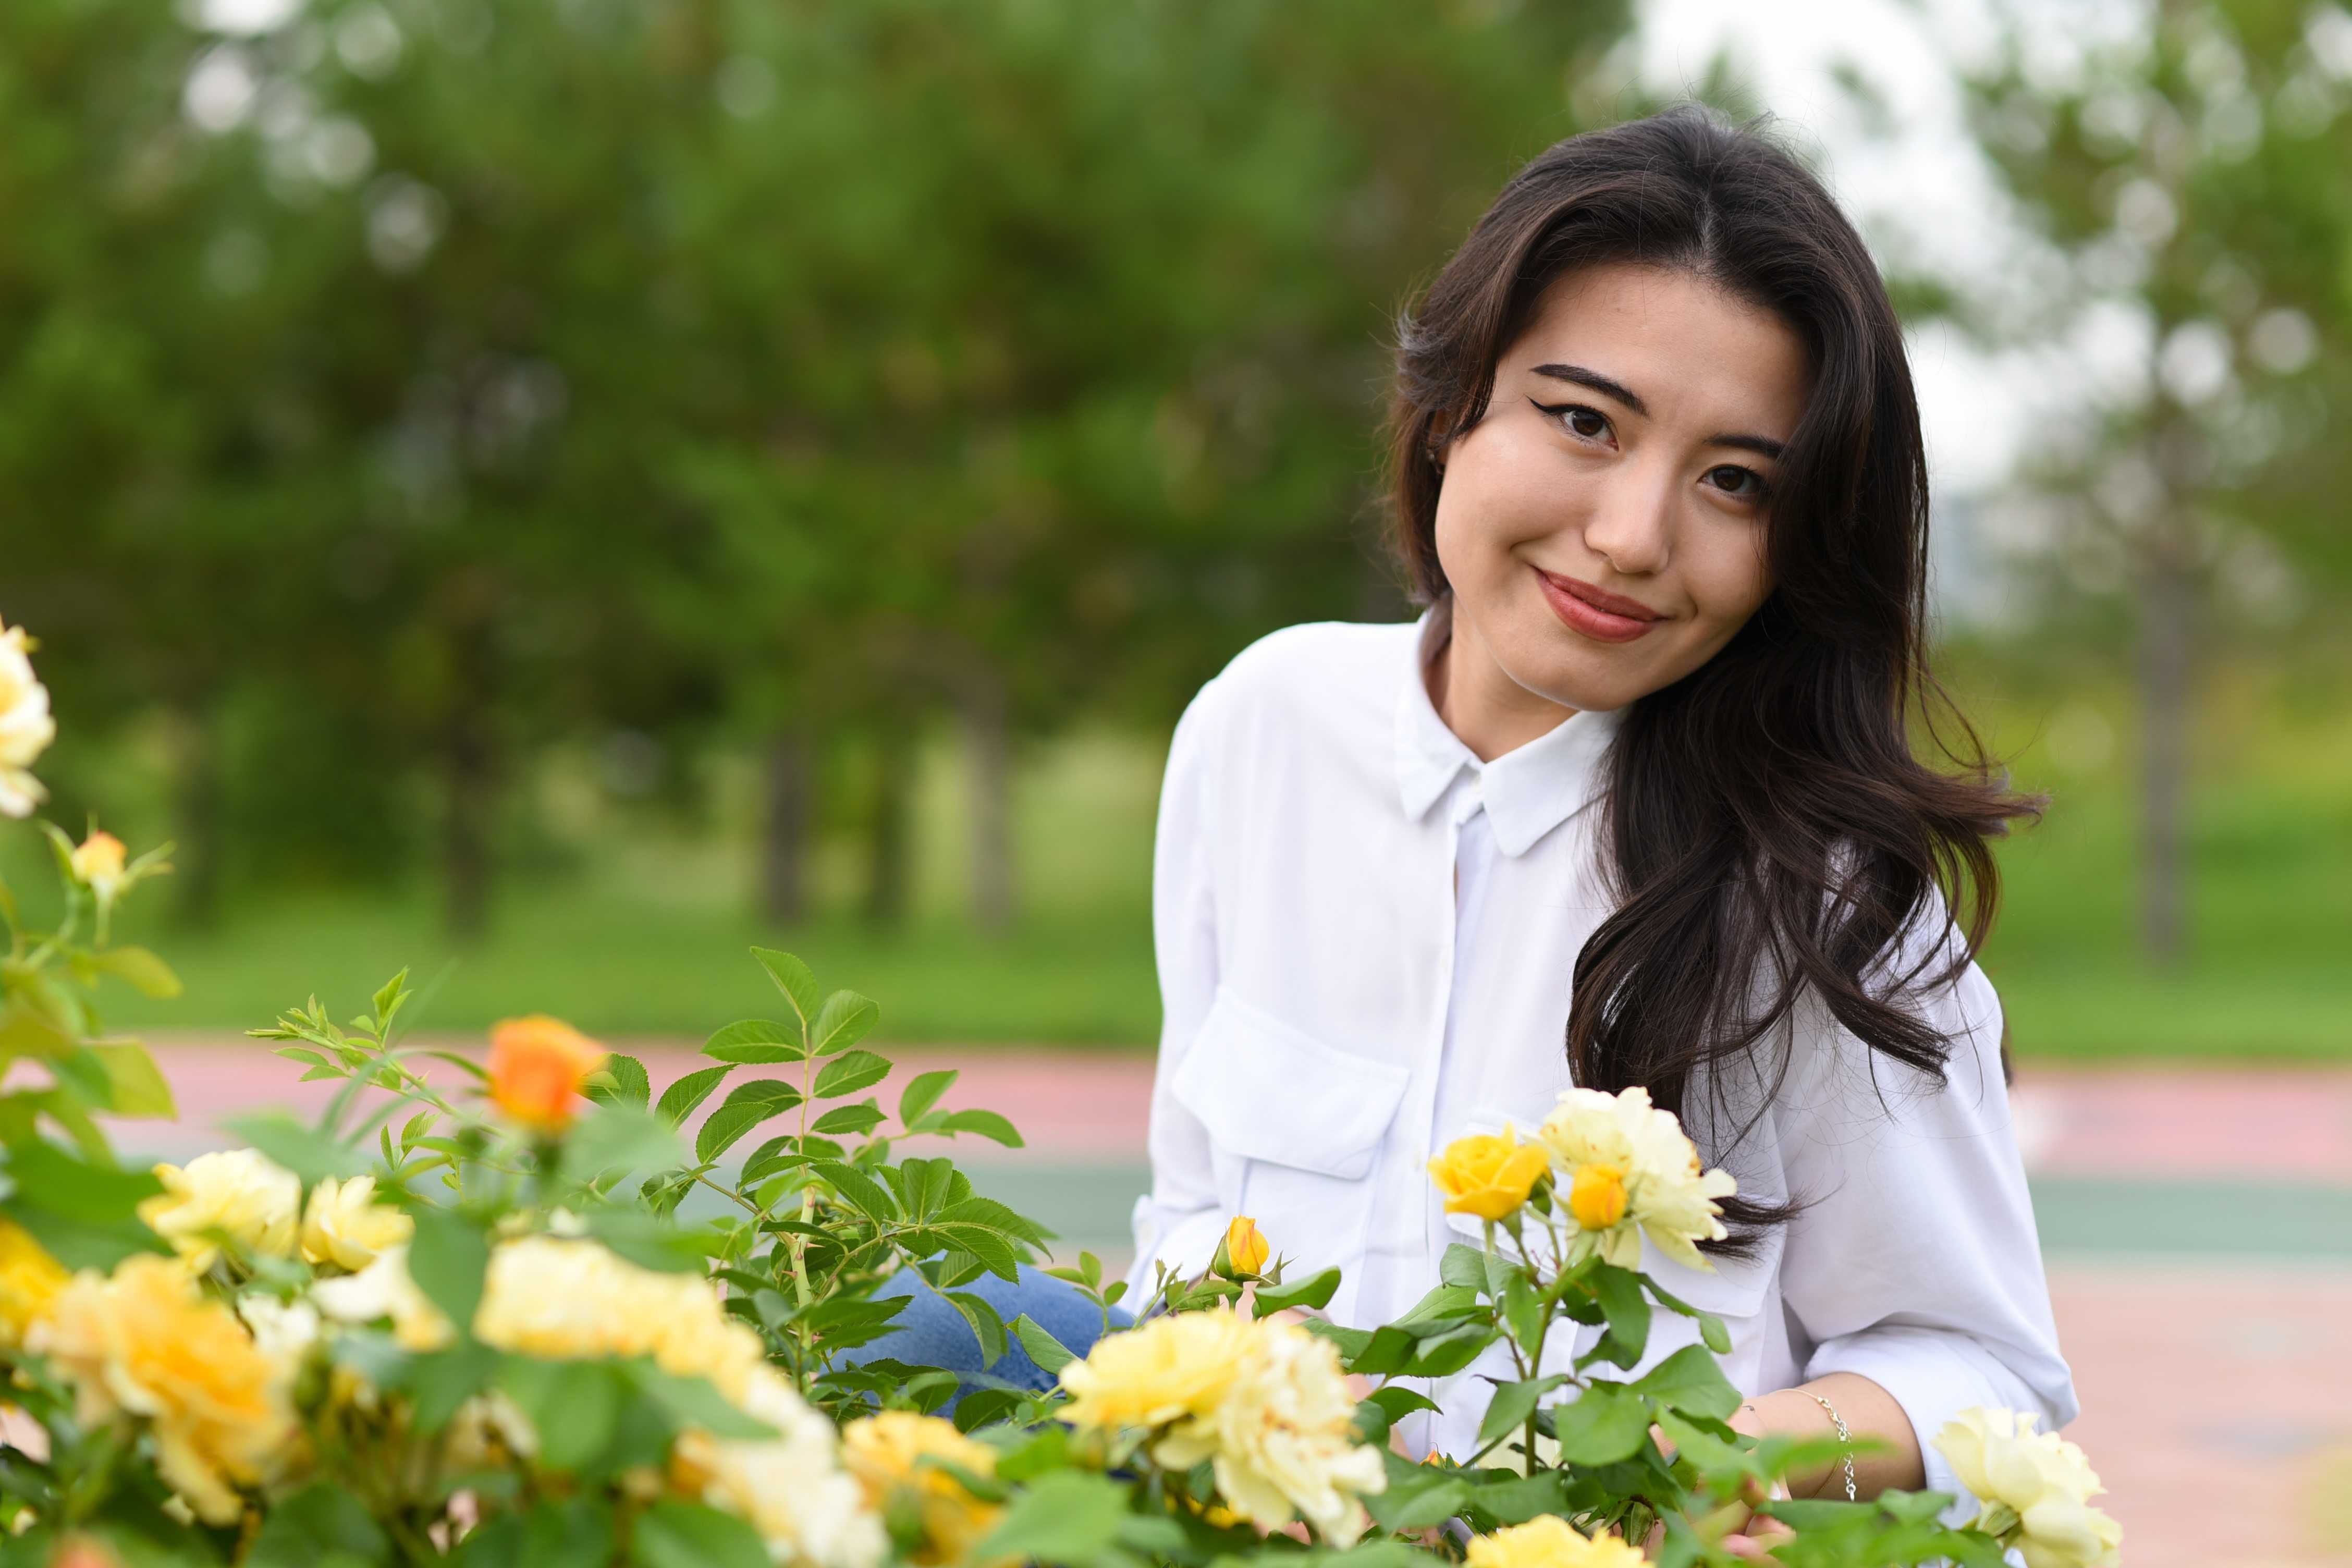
x=384 y=1292
x=2032 y=1489
x=894 y=1456
x=790 y=1487
x=30 y=1280
x=1280 y=1436
x=236 y=1194
x=343 y=1225
x=1548 y=1542
x=1162 y=1370
x=1629 y=1170
x=147 y=1345
x=568 y=1298
x=1486 y=1175
x=98 y=863
x=25 y=727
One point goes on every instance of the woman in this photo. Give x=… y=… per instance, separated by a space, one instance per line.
x=1635 y=803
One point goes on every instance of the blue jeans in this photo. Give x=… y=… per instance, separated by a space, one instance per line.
x=930 y=1333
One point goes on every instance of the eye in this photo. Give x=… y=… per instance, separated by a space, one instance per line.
x=1741 y=484
x=1589 y=423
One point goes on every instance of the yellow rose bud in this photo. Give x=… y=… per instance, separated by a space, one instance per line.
x=537 y=1066
x=29 y=1281
x=1550 y=1542
x=97 y=863
x=1597 y=1196
x=1486 y=1175
x=1245 y=1249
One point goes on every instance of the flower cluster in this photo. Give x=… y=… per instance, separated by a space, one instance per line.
x=1550 y=1542
x=2033 y=1490
x=919 y=1464
x=1263 y=1402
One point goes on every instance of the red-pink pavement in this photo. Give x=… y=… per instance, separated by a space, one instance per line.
x=2217 y=1392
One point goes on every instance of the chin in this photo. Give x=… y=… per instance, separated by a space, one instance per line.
x=1589 y=679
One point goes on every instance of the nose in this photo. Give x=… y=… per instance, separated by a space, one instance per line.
x=1633 y=527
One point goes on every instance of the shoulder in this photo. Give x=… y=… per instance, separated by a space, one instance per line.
x=1327 y=678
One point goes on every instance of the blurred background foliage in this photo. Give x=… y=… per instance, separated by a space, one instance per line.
x=550 y=490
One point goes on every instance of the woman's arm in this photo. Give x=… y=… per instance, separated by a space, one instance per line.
x=1913 y=1269
x=1891 y=1459
x=1179 y=1221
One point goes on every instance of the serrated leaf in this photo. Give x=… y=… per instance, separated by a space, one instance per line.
x=922 y=1092
x=447 y=1257
x=621 y=1080
x=987 y=1327
x=746 y=1106
x=793 y=979
x=1316 y=1290
x=855 y=1119
x=986 y=1123
x=1050 y=1354
x=845 y=1019
x=1514 y=1403
x=848 y=1074
x=150 y=974
x=1066 y=1519
x=1690 y=1380
x=136 y=1085
x=1603 y=1425
x=860 y=1189
x=756 y=1041
x=681 y=1098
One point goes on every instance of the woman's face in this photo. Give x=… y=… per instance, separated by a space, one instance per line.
x=1602 y=526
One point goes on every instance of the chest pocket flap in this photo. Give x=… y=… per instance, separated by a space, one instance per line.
x=1268 y=1091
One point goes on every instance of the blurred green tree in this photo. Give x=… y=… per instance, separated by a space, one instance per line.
x=2185 y=174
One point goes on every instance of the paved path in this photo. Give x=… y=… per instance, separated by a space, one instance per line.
x=2198 y=1226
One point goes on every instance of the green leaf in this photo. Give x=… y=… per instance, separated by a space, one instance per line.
x=1514 y=1403
x=307 y=1153
x=321 y=1522
x=859 y=1188
x=1417 y=1497
x=389 y=997
x=622 y=1137
x=1397 y=1401
x=1065 y=1517
x=693 y=1402
x=150 y=974
x=138 y=1086
x=1620 y=1294
x=1451 y=1351
x=47 y=1178
x=26 y=1032
x=1713 y=1334
x=855 y=1119
x=746 y=1106
x=987 y=1123
x=1050 y=1354
x=1603 y=1425
x=1690 y=1380
x=992 y=1246
x=649 y=1241
x=680 y=1098
x=793 y=979
x=987 y=1327
x=1524 y=1312
x=922 y=1092
x=84 y=1076
x=1463 y=1266
x=447 y=1257
x=1316 y=1290
x=845 y=1019
x=573 y=1405
x=689 y=1535
x=1522 y=1498
x=620 y=1082
x=760 y=1041
x=848 y=1074
x=438 y=1381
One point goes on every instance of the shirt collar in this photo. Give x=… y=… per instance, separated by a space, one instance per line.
x=1526 y=792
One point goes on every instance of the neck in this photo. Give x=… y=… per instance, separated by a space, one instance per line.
x=1481 y=703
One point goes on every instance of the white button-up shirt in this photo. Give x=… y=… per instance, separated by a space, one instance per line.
x=1365 y=940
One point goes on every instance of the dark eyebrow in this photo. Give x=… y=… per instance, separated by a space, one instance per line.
x=1763 y=446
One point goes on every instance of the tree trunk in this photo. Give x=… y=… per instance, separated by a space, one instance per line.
x=886 y=858
x=988 y=744
x=2167 y=606
x=784 y=860
x=196 y=805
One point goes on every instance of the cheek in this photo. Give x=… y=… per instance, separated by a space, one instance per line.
x=1729 y=576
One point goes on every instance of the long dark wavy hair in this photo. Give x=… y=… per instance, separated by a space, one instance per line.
x=1769 y=831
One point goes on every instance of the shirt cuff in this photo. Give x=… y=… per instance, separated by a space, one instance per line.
x=1933 y=1377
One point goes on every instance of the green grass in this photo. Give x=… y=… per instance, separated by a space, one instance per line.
x=647 y=936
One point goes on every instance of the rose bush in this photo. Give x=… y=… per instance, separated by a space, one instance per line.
x=510 y=1314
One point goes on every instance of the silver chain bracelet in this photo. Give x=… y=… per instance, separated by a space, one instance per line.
x=1844 y=1436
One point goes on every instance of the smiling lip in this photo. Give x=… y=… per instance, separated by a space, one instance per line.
x=1602 y=616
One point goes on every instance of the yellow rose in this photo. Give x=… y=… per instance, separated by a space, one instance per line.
x=568 y=1298
x=29 y=1282
x=1158 y=1372
x=383 y=1292
x=1630 y=1172
x=25 y=727
x=1244 y=1252
x=1548 y=1542
x=97 y=863
x=2032 y=1489
x=536 y=1068
x=790 y=1487
x=1596 y=1198
x=147 y=1345
x=237 y=1194
x=343 y=1225
x=1486 y=1175
x=887 y=1453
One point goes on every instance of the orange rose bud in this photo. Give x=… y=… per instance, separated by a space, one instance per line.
x=1245 y=1249
x=537 y=1066
x=1596 y=1197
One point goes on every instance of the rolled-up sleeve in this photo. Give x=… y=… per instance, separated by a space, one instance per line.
x=1178 y=1222
x=1914 y=1261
